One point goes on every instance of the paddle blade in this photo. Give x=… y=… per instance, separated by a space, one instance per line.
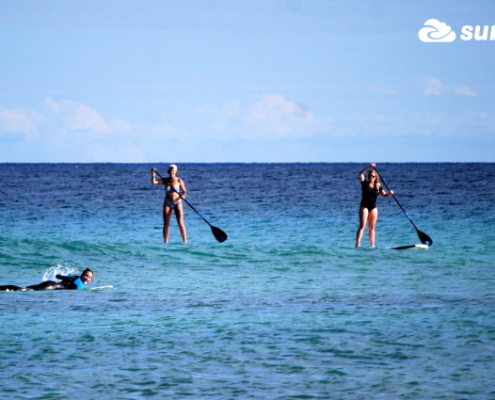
x=425 y=239
x=220 y=235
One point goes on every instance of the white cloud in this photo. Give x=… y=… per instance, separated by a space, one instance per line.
x=476 y=121
x=17 y=121
x=275 y=109
x=273 y=116
x=78 y=116
x=80 y=132
x=462 y=90
x=381 y=90
x=366 y=118
x=431 y=86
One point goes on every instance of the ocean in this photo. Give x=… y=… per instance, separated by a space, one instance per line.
x=286 y=308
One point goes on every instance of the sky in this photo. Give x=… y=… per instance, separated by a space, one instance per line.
x=176 y=81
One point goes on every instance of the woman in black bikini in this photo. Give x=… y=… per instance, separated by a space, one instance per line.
x=368 y=213
x=173 y=200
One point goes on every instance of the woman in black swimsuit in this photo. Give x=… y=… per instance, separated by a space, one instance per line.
x=368 y=213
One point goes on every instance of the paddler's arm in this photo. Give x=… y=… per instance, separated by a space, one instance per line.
x=361 y=173
x=183 y=188
x=385 y=194
x=155 y=181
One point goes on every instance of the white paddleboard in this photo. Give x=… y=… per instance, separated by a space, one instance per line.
x=412 y=247
x=102 y=287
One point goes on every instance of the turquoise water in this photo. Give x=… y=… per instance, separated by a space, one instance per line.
x=286 y=308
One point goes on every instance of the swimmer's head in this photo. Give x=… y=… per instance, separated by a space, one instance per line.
x=86 y=276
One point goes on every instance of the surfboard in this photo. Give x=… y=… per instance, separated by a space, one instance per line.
x=102 y=287
x=413 y=246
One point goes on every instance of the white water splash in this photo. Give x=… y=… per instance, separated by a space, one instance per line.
x=51 y=273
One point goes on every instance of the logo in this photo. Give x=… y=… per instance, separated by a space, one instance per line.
x=436 y=31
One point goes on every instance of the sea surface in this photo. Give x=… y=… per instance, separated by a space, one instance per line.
x=286 y=308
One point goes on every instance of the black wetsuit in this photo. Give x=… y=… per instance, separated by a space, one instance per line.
x=67 y=283
x=369 y=196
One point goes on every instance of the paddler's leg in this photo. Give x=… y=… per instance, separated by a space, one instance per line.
x=179 y=213
x=167 y=213
x=372 y=218
x=363 y=217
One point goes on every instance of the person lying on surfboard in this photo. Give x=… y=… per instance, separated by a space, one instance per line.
x=368 y=212
x=66 y=283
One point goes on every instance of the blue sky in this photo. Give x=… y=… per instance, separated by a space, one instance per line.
x=244 y=81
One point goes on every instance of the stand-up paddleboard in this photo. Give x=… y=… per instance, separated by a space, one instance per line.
x=102 y=287
x=413 y=246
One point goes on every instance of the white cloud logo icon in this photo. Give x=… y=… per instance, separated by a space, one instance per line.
x=436 y=31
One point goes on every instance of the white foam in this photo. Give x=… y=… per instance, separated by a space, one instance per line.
x=51 y=273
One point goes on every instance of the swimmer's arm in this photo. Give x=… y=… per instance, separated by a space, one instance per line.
x=62 y=277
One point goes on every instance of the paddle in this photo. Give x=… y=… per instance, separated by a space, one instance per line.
x=425 y=239
x=220 y=235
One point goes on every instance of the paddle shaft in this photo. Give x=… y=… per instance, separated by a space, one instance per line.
x=400 y=205
x=196 y=211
